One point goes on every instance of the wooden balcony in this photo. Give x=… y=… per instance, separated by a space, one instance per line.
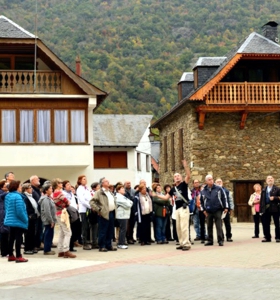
x=22 y=82
x=244 y=93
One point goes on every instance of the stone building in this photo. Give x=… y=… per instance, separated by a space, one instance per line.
x=226 y=122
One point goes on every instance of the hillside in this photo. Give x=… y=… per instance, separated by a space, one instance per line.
x=137 y=50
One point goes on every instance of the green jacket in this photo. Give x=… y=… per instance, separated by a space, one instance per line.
x=158 y=206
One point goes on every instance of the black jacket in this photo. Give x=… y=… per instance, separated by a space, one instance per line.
x=213 y=199
x=273 y=205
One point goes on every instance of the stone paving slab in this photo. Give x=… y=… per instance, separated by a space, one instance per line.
x=244 y=269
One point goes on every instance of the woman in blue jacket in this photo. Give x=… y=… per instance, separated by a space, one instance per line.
x=16 y=218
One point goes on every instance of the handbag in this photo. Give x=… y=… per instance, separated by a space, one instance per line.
x=73 y=213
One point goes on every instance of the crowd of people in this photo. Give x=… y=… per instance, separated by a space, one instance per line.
x=92 y=218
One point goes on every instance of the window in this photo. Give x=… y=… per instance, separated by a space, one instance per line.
x=43 y=126
x=8 y=126
x=148 y=164
x=60 y=126
x=138 y=161
x=77 y=126
x=26 y=126
x=172 y=151
x=110 y=160
x=181 y=147
x=5 y=63
x=165 y=153
x=24 y=63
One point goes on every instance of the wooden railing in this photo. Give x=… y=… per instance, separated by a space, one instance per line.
x=23 y=82
x=244 y=93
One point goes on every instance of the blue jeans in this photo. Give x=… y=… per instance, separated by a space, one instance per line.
x=196 y=223
x=160 y=228
x=48 y=237
x=106 y=231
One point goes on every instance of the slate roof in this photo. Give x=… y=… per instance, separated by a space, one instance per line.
x=155 y=150
x=187 y=76
x=256 y=43
x=9 y=29
x=209 y=61
x=119 y=130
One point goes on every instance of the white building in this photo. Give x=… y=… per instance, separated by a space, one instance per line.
x=46 y=110
x=122 y=149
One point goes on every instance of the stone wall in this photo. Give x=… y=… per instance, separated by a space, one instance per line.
x=222 y=149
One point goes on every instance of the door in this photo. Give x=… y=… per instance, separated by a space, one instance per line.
x=242 y=192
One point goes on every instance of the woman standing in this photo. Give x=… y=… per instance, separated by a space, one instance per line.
x=16 y=218
x=65 y=233
x=48 y=216
x=143 y=208
x=161 y=209
x=122 y=214
x=84 y=196
x=33 y=215
x=254 y=202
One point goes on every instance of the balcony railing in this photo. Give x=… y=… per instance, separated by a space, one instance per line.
x=244 y=93
x=23 y=82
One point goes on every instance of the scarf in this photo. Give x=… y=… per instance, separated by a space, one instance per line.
x=33 y=203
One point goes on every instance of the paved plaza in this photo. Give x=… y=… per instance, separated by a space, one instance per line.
x=244 y=269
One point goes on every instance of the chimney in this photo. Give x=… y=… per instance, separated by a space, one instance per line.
x=270 y=31
x=78 y=66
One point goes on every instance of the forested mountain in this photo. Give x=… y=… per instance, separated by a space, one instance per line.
x=137 y=50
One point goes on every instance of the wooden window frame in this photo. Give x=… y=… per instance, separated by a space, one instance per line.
x=110 y=157
x=35 y=120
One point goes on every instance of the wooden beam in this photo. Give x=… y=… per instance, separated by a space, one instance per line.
x=201 y=120
x=238 y=108
x=243 y=119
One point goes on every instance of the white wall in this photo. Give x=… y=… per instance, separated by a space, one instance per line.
x=144 y=148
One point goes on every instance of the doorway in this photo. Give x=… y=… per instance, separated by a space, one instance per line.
x=242 y=190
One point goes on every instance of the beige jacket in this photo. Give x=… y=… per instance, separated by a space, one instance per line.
x=100 y=204
x=251 y=203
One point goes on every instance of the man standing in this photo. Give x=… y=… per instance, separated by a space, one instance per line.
x=270 y=197
x=213 y=203
x=219 y=182
x=181 y=195
x=103 y=202
x=9 y=177
x=196 y=223
x=36 y=194
x=130 y=193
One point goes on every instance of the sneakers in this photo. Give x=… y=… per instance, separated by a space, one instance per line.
x=86 y=247
x=122 y=247
x=21 y=259
x=49 y=253
x=11 y=258
x=68 y=254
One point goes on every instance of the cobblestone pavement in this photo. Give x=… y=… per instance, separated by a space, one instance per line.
x=244 y=269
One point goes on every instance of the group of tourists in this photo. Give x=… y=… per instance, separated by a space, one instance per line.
x=92 y=218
